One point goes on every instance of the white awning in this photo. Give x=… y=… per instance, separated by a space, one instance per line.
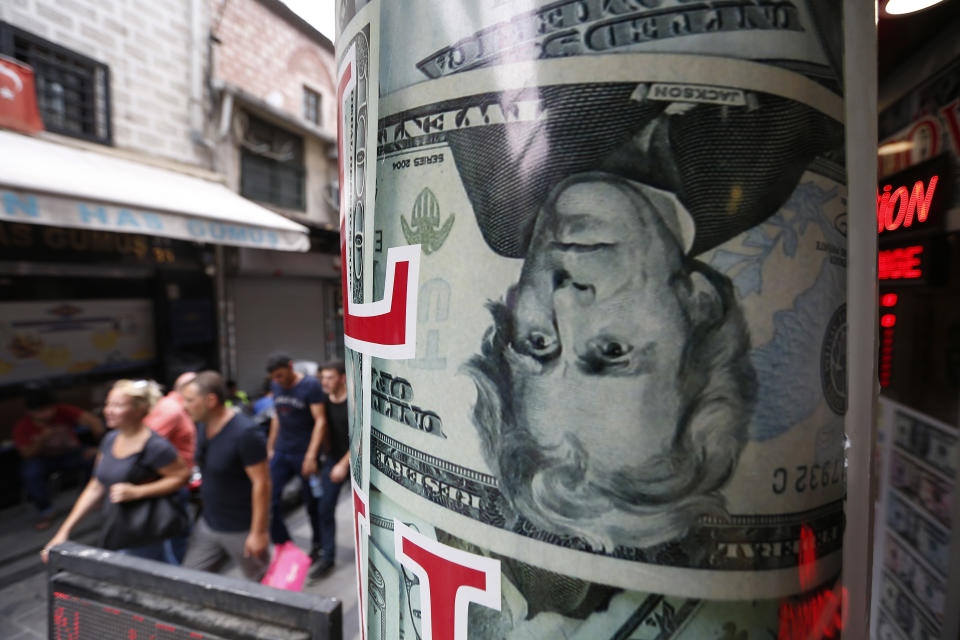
x=43 y=182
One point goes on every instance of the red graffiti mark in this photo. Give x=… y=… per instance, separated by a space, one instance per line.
x=360 y=523
x=385 y=328
x=450 y=579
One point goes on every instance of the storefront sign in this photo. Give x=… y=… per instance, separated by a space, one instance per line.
x=927 y=119
x=905 y=263
x=915 y=201
x=925 y=126
x=896 y=208
x=927 y=138
x=35 y=243
x=19 y=206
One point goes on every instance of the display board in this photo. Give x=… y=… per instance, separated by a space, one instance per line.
x=76 y=618
x=915 y=552
x=46 y=339
x=102 y=595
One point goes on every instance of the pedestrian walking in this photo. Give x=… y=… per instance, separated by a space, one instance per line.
x=232 y=455
x=169 y=419
x=334 y=461
x=296 y=433
x=134 y=465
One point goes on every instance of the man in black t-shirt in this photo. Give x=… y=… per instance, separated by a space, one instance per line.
x=232 y=455
x=293 y=446
x=334 y=461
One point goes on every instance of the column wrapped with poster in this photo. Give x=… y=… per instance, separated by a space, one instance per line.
x=594 y=277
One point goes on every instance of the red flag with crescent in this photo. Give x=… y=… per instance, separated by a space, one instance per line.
x=18 y=97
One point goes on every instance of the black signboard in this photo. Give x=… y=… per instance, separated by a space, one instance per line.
x=40 y=243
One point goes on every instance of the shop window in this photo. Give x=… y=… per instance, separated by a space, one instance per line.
x=271 y=165
x=311 y=106
x=73 y=91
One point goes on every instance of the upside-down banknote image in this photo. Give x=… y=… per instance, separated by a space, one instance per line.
x=624 y=378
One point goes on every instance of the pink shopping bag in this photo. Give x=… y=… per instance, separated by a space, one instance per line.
x=288 y=570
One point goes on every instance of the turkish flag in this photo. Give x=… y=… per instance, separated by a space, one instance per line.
x=18 y=97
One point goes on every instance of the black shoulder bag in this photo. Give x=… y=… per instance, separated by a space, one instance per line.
x=141 y=522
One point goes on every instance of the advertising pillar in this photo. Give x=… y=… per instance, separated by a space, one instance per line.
x=594 y=262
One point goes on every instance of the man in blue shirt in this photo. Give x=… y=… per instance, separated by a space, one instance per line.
x=232 y=456
x=296 y=433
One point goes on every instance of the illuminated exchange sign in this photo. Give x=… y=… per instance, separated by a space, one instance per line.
x=921 y=194
x=896 y=208
x=905 y=263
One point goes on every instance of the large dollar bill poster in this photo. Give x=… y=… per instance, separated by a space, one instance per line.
x=594 y=294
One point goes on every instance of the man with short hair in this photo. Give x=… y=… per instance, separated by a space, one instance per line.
x=296 y=433
x=334 y=460
x=170 y=420
x=232 y=456
x=46 y=441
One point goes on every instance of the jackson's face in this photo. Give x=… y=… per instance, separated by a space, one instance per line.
x=599 y=323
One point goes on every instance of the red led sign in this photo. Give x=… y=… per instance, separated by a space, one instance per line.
x=75 y=618
x=888 y=321
x=896 y=208
x=886 y=356
x=904 y=263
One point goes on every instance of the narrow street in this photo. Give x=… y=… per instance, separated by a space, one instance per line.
x=23 y=585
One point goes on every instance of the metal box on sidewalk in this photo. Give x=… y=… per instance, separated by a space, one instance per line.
x=95 y=594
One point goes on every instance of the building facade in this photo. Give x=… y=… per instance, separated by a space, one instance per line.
x=164 y=175
x=275 y=131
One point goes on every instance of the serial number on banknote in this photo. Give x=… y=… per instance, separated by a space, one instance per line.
x=810 y=477
x=434 y=158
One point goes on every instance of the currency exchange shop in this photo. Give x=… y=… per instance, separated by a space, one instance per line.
x=916 y=573
x=109 y=267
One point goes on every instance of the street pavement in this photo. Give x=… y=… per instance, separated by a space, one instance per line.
x=23 y=586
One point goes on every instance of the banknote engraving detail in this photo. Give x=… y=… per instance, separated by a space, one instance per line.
x=738 y=542
x=578 y=26
x=833 y=361
x=424 y=227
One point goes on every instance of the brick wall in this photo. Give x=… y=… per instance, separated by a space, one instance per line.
x=263 y=54
x=146 y=44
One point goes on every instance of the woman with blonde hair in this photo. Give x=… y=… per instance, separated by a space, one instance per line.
x=134 y=465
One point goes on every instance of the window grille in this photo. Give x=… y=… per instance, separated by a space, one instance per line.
x=271 y=165
x=73 y=91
